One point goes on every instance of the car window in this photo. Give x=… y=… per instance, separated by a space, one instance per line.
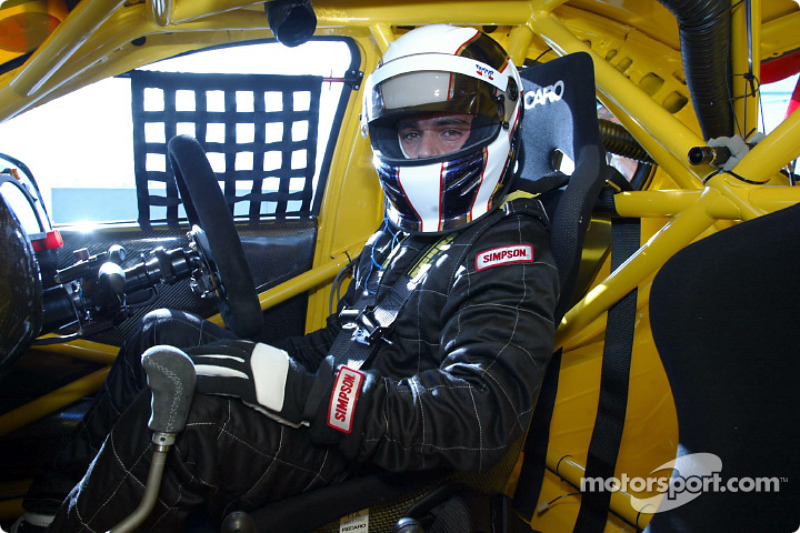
x=80 y=146
x=775 y=103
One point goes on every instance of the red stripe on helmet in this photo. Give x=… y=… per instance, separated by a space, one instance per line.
x=441 y=195
x=478 y=188
x=467 y=42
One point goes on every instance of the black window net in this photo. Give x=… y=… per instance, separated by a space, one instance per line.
x=259 y=132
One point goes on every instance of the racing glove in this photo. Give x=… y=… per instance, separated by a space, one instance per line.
x=263 y=376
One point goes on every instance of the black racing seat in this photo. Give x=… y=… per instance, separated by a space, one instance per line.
x=724 y=319
x=563 y=156
x=560 y=123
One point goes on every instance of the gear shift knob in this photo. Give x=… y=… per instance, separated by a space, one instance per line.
x=171 y=377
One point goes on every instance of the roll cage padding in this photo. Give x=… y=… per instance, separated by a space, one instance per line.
x=723 y=313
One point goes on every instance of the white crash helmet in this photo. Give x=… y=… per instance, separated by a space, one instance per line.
x=443 y=68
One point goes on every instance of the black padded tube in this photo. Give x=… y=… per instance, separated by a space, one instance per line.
x=705 y=33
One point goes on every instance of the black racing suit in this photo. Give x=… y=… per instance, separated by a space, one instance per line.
x=452 y=384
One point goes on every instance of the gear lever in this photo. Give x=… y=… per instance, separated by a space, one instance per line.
x=171 y=377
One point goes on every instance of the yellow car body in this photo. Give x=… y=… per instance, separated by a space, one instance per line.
x=640 y=79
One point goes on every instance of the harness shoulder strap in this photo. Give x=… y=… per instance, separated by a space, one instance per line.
x=614 y=381
x=609 y=424
x=369 y=320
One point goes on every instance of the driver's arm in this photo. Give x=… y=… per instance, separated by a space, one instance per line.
x=495 y=335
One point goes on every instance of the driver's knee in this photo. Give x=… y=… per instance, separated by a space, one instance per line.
x=176 y=328
x=162 y=326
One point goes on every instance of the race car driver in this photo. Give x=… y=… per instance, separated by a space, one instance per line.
x=449 y=380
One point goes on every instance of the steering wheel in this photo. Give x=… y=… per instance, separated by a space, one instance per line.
x=206 y=207
x=20 y=290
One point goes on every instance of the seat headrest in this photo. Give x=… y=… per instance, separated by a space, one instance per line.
x=560 y=112
x=561 y=117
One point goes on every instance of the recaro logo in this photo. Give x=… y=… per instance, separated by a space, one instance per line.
x=543 y=95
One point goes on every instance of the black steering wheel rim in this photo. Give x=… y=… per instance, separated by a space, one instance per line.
x=20 y=289
x=206 y=206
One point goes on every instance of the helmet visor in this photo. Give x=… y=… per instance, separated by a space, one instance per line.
x=432 y=91
x=397 y=100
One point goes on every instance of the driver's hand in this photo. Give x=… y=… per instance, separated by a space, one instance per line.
x=263 y=376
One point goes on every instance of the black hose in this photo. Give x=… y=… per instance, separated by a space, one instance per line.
x=617 y=140
x=705 y=33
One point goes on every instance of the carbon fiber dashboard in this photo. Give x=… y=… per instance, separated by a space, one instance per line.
x=276 y=251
